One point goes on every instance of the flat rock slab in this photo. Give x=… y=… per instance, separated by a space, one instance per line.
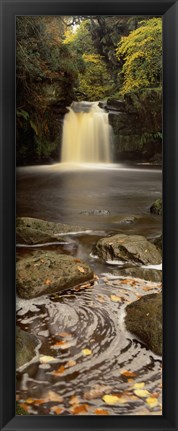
x=35 y=231
x=128 y=248
x=144 y=319
x=25 y=347
x=48 y=272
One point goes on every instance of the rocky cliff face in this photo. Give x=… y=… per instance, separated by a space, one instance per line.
x=137 y=125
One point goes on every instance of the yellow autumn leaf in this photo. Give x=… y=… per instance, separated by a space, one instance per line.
x=139 y=385
x=142 y=393
x=152 y=402
x=86 y=352
x=115 y=298
x=46 y=359
x=114 y=399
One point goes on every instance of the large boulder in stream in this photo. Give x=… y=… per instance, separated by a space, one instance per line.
x=134 y=249
x=26 y=345
x=33 y=231
x=144 y=319
x=49 y=272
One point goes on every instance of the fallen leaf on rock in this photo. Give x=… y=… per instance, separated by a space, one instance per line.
x=76 y=410
x=46 y=359
x=86 y=352
x=80 y=269
x=115 y=298
x=77 y=260
x=127 y=373
x=56 y=409
x=142 y=393
x=114 y=399
x=152 y=402
x=101 y=412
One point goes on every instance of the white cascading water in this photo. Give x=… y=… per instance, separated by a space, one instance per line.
x=86 y=134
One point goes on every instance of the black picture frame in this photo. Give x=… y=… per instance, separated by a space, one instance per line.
x=168 y=9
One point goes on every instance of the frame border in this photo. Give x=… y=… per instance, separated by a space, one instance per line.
x=169 y=11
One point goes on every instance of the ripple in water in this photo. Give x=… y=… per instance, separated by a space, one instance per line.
x=83 y=331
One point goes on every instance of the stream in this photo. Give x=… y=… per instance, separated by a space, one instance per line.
x=85 y=352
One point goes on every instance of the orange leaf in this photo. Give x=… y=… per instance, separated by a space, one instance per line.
x=47 y=282
x=56 y=409
x=127 y=373
x=77 y=260
x=61 y=345
x=59 y=371
x=79 y=409
x=101 y=412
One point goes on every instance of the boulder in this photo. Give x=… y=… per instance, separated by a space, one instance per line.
x=144 y=319
x=25 y=347
x=156 y=207
x=153 y=275
x=134 y=249
x=35 y=231
x=48 y=272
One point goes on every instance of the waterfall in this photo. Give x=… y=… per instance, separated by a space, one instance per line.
x=86 y=134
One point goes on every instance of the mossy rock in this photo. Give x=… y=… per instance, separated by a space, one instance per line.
x=156 y=207
x=144 y=319
x=25 y=347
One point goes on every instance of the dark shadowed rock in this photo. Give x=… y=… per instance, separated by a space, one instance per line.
x=144 y=319
x=128 y=248
x=25 y=347
x=156 y=207
x=49 y=272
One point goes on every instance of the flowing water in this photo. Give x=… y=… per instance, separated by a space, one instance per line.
x=82 y=329
x=86 y=134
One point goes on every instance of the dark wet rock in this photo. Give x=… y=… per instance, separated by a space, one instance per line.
x=25 y=347
x=158 y=242
x=144 y=319
x=35 y=231
x=156 y=207
x=138 y=272
x=128 y=219
x=128 y=248
x=49 y=272
x=96 y=212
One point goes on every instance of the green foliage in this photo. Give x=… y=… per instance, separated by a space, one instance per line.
x=95 y=82
x=141 y=54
